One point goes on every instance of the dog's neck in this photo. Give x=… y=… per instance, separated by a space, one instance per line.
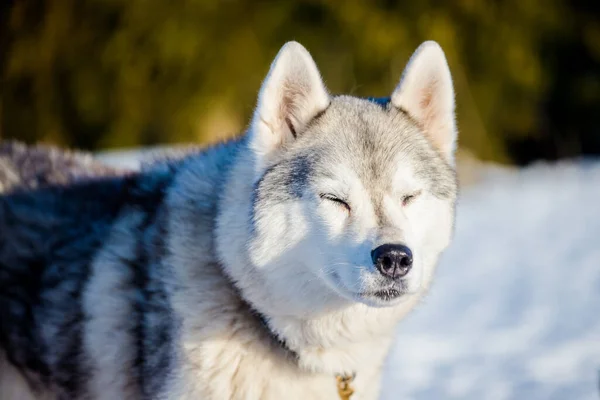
x=339 y=341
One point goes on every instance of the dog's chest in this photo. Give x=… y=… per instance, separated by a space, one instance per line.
x=274 y=384
x=250 y=370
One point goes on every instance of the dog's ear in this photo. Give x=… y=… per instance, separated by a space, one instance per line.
x=425 y=92
x=291 y=95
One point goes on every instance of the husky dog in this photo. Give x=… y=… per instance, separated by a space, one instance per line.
x=274 y=266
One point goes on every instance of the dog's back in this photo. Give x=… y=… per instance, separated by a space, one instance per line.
x=57 y=211
x=40 y=301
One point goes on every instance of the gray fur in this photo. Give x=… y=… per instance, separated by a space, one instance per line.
x=35 y=166
x=49 y=239
x=358 y=126
x=182 y=281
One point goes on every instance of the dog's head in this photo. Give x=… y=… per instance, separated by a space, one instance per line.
x=351 y=198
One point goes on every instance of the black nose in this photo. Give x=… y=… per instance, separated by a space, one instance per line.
x=392 y=260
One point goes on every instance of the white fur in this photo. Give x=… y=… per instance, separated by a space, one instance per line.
x=108 y=307
x=292 y=93
x=284 y=273
x=426 y=93
x=304 y=263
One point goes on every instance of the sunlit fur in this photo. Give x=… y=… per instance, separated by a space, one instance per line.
x=165 y=273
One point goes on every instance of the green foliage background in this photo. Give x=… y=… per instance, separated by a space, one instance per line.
x=109 y=73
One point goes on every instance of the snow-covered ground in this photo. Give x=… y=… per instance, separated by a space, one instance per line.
x=515 y=310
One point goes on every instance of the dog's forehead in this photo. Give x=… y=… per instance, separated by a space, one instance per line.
x=376 y=142
x=367 y=135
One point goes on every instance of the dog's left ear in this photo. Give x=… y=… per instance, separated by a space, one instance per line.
x=291 y=95
x=426 y=93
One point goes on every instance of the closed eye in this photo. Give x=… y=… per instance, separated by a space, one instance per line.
x=334 y=199
x=408 y=199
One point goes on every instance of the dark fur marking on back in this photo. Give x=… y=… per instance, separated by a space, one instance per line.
x=159 y=338
x=48 y=240
x=46 y=246
x=149 y=201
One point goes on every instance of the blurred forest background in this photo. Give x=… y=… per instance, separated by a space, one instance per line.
x=98 y=74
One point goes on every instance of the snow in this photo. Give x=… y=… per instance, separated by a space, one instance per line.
x=515 y=306
x=514 y=310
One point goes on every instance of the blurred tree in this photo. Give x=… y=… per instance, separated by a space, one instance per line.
x=108 y=73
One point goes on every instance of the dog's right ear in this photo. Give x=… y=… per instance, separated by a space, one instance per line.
x=291 y=95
